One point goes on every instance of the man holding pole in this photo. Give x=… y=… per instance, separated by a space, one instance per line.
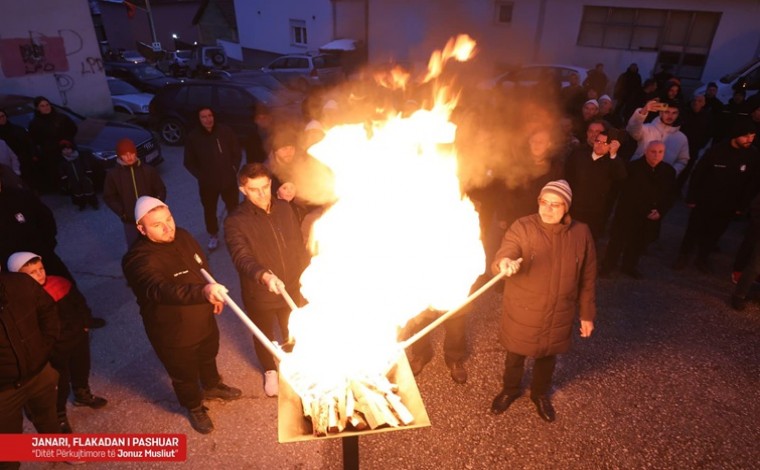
x=551 y=261
x=265 y=242
x=177 y=305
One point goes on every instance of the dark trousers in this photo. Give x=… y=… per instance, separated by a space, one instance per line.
x=209 y=200
x=187 y=365
x=38 y=396
x=628 y=237
x=749 y=273
x=595 y=220
x=703 y=231
x=265 y=320
x=543 y=369
x=744 y=252
x=454 y=343
x=71 y=358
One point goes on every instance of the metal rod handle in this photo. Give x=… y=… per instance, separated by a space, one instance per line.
x=276 y=352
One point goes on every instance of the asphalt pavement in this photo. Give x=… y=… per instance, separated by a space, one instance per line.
x=670 y=378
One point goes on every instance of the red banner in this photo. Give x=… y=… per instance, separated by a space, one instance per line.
x=93 y=447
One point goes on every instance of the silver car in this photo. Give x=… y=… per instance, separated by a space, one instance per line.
x=303 y=71
x=128 y=99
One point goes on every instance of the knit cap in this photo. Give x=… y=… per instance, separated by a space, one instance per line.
x=146 y=204
x=125 y=146
x=561 y=188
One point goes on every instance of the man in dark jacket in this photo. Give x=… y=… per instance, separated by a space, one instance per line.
x=722 y=185
x=647 y=194
x=540 y=300
x=751 y=270
x=28 y=331
x=28 y=225
x=126 y=182
x=177 y=306
x=592 y=175
x=212 y=156
x=265 y=242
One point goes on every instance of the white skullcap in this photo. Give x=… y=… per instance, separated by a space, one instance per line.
x=605 y=97
x=313 y=125
x=146 y=204
x=17 y=260
x=592 y=101
x=331 y=104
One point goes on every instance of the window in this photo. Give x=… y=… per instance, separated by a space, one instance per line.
x=503 y=12
x=298 y=33
x=199 y=96
x=683 y=38
x=228 y=97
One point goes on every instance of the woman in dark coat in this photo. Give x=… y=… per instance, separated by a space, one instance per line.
x=551 y=261
x=47 y=129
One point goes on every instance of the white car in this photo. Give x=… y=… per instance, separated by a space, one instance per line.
x=746 y=77
x=128 y=99
x=530 y=75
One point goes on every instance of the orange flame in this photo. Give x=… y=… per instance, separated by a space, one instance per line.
x=461 y=48
x=401 y=238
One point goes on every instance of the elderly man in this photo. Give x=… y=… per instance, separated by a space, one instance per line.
x=663 y=128
x=551 y=261
x=264 y=239
x=177 y=306
x=647 y=194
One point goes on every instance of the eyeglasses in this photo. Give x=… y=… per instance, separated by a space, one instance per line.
x=597 y=141
x=552 y=205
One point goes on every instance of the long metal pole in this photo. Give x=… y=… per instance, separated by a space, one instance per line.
x=454 y=310
x=276 y=352
x=150 y=20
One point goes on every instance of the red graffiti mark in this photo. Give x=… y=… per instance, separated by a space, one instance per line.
x=23 y=56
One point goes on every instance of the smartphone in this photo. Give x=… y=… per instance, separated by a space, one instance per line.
x=660 y=106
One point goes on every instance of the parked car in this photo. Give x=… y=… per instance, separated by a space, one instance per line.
x=303 y=71
x=144 y=77
x=131 y=56
x=746 y=77
x=174 y=109
x=529 y=75
x=205 y=58
x=95 y=138
x=175 y=63
x=128 y=99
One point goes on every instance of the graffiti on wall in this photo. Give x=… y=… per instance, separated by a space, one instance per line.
x=40 y=54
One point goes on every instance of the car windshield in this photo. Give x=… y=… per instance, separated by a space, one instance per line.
x=147 y=72
x=120 y=87
x=264 y=95
x=326 y=61
x=729 y=78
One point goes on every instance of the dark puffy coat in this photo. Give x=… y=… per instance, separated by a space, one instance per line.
x=124 y=184
x=167 y=281
x=557 y=275
x=213 y=158
x=258 y=242
x=28 y=328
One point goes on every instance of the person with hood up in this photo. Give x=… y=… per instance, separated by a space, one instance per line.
x=76 y=176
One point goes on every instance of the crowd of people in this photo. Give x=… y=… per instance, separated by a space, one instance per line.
x=557 y=175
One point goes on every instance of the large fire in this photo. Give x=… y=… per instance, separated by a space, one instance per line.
x=400 y=238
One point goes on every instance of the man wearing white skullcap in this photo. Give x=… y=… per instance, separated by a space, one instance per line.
x=177 y=305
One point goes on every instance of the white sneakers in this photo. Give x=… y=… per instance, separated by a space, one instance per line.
x=271 y=384
x=213 y=242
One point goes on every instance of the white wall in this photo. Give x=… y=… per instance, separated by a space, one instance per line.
x=265 y=24
x=70 y=72
x=409 y=30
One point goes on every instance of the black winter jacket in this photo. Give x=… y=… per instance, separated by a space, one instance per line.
x=124 y=184
x=213 y=158
x=28 y=328
x=167 y=281
x=259 y=242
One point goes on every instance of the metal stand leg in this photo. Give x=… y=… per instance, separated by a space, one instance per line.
x=350 y=452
